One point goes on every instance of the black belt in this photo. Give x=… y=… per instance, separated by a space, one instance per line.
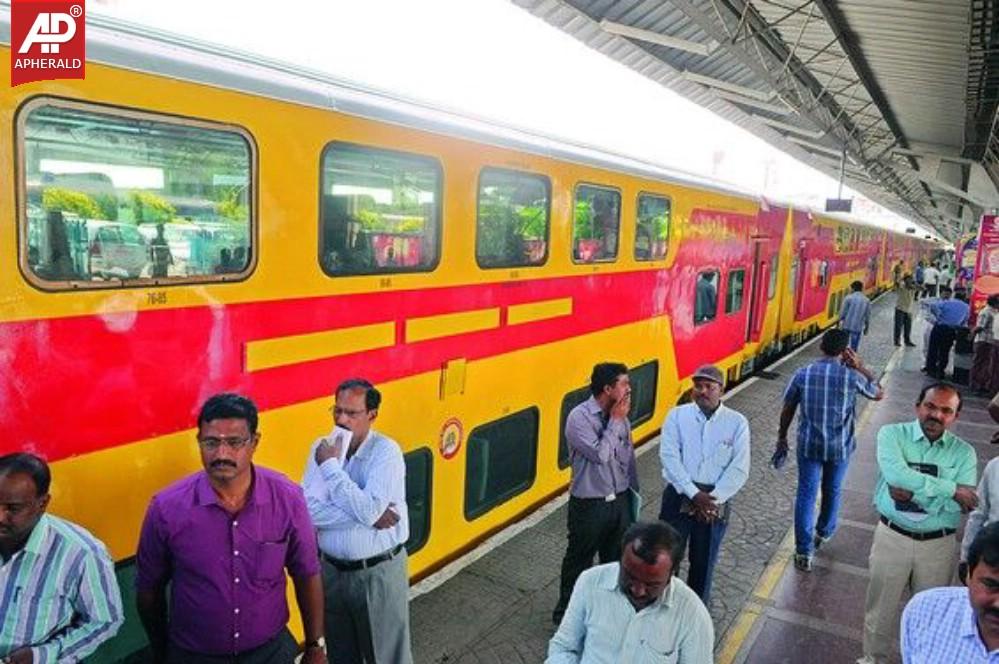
x=609 y=498
x=919 y=537
x=354 y=565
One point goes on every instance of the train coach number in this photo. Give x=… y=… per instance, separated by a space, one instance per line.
x=156 y=297
x=451 y=435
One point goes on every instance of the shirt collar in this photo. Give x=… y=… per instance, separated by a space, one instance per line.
x=718 y=411
x=609 y=581
x=365 y=447
x=969 y=625
x=38 y=536
x=205 y=494
x=919 y=436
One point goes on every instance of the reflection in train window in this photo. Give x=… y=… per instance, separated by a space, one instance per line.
x=596 y=224
x=512 y=221
x=652 y=228
x=733 y=294
x=380 y=211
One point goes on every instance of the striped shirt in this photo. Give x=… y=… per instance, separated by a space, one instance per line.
x=827 y=393
x=939 y=625
x=855 y=313
x=58 y=595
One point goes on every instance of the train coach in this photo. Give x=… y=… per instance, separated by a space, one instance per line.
x=188 y=220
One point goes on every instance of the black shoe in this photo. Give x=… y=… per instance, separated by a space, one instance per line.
x=897 y=343
x=910 y=344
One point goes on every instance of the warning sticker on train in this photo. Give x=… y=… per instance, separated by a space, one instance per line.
x=451 y=435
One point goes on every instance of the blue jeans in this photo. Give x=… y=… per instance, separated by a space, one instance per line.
x=704 y=540
x=811 y=474
x=854 y=339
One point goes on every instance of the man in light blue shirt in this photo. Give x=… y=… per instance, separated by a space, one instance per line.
x=949 y=314
x=634 y=611
x=953 y=624
x=855 y=314
x=704 y=452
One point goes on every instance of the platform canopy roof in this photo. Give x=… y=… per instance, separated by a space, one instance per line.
x=900 y=94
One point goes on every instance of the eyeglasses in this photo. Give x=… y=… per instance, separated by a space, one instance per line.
x=337 y=412
x=213 y=443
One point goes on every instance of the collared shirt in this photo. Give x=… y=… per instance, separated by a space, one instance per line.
x=931 y=276
x=950 y=312
x=58 y=595
x=988 y=506
x=939 y=625
x=855 y=313
x=904 y=297
x=602 y=453
x=346 y=500
x=227 y=571
x=986 y=323
x=826 y=391
x=900 y=448
x=696 y=448
x=602 y=627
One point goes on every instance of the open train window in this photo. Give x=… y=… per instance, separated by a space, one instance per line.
x=113 y=197
x=512 y=223
x=734 y=292
x=652 y=227
x=596 y=224
x=501 y=461
x=380 y=211
x=706 y=297
x=419 y=491
x=822 y=271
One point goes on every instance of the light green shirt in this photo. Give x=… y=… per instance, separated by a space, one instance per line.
x=602 y=627
x=900 y=445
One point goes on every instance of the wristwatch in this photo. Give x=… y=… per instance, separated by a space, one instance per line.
x=319 y=643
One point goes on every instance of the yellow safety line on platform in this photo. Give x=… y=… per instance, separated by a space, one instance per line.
x=773 y=572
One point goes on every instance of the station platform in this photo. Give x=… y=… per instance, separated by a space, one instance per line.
x=494 y=605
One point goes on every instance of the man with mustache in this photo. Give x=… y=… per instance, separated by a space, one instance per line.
x=59 y=599
x=926 y=480
x=956 y=624
x=704 y=452
x=634 y=610
x=223 y=538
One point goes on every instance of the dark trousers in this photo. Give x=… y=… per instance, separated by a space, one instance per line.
x=941 y=340
x=596 y=527
x=930 y=290
x=903 y=322
x=282 y=649
x=702 y=540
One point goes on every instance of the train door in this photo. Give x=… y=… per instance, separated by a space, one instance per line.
x=758 y=292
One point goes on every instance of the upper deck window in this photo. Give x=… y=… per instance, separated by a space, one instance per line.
x=512 y=222
x=596 y=224
x=114 y=197
x=380 y=211
x=652 y=227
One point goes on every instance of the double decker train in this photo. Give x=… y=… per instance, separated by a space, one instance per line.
x=187 y=220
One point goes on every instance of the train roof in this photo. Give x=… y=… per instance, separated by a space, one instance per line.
x=130 y=46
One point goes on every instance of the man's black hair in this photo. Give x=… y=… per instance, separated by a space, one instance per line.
x=857 y=286
x=229 y=406
x=652 y=538
x=605 y=375
x=372 y=397
x=30 y=465
x=834 y=341
x=985 y=547
x=940 y=385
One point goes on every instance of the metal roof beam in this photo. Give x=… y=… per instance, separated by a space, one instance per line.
x=656 y=38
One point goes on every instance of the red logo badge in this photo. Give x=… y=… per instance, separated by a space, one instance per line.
x=47 y=40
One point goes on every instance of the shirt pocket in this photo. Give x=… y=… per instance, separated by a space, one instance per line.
x=652 y=652
x=269 y=560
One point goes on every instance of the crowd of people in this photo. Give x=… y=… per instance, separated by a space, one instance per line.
x=215 y=547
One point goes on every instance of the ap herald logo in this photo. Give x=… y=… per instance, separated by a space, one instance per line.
x=48 y=40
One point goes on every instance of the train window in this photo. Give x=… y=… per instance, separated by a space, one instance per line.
x=513 y=219
x=793 y=276
x=569 y=401
x=772 y=286
x=823 y=274
x=113 y=197
x=652 y=227
x=501 y=461
x=419 y=489
x=733 y=294
x=706 y=297
x=380 y=211
x=596 y=224
x=644 y=380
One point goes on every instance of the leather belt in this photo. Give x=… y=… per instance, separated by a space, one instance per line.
x=367 y=563
x=919 y=537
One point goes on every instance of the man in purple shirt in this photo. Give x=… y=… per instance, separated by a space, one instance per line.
x=223 y=538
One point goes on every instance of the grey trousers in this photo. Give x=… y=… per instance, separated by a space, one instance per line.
x=367 y=613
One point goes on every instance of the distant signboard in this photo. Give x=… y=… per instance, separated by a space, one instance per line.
x=839 y=204
x=987 y=265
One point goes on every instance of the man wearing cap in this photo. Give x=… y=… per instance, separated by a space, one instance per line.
x=704 y=451
x=827 y=392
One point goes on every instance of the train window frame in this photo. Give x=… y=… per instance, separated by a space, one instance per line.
x=547 y=182
x=772 y=285
x=486 y=506
x=728 y=290
x=425 y=454
x=717 y=272
x=22 y=116
x=569 y=401
x=438 y=217
x=669 y=226
x=572 y=224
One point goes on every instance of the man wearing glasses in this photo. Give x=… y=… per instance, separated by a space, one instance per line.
x=355 y=487
x=223 y=538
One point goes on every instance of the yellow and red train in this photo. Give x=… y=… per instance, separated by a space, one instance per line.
x=186 y=221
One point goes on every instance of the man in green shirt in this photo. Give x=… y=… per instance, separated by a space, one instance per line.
x=927 y=479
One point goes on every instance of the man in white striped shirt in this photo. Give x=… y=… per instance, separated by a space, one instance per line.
x=357 y=500
x=59 y=599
